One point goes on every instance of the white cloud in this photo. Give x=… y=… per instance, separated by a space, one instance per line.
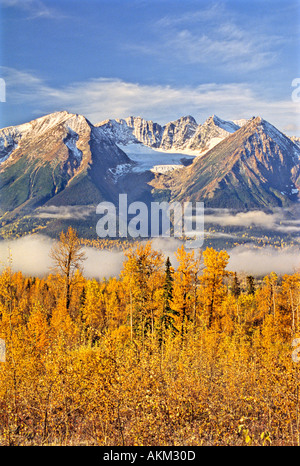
x=35 y=9
x=230 y=46
x=65 y=212
x=264 y=261
x=213 y=12
x=244 y=219
x=279 y=220
x=102 y=98
x=31 y=256
x=215 y=37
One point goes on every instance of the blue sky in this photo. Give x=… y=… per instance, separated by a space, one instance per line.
x=159 y=59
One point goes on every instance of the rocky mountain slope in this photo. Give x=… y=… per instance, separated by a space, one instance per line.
x=183 y=135
x=52 y=158
x=255 y=167
x=61 y=160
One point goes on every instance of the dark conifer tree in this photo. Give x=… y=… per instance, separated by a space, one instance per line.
x=236 y=289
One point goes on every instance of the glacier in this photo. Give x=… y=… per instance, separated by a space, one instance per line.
x=158 y=161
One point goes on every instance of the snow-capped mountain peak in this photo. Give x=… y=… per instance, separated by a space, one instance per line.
x=254 y=167
x=228 y=126
x=63 y=159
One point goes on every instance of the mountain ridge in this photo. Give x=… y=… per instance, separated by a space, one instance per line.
x=256 y=166
x=181 y=134
x=51 y=154
x=62 y=159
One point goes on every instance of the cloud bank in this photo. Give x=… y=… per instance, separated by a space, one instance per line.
x=102 y=98
x=31 y=256
x=277 y=221
x=255 y=261
x=65 y=212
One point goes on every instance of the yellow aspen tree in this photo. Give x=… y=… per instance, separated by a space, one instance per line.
x=186 y=280
x=93 y=313
x=288 y=298
x=271 y=286
x=266 y=297
x=114 y=303
x=62 y=327
x=213 y=289
x=142 y=277
x=38 y=332
x=67 y=255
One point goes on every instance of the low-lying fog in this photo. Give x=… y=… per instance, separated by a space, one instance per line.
x=31 y=255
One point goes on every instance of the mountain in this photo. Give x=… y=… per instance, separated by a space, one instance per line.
x=208 y=135
x=296 y=140
x=59 y=159
x=177 y=134
x=132 y=130
x=59 y=167
x=138 y=130
x=183 y=135
x=257 y=166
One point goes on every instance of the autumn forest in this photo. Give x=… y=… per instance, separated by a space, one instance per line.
x=160 y=355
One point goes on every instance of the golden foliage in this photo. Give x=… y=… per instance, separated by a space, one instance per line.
x=161 y=355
